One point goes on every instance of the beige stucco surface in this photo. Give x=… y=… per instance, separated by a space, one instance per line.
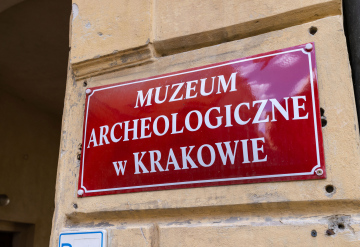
x=182 y=25
x=102 y=29
x=121 y=34
x=177 y=18
x=127 y=40
x=27 y=172
x=99 y=28
x=265 y=214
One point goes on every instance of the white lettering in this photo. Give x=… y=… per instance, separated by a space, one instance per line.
x=256 y=149
x=225 y=85
x=173 y=125
x=187 y=120
x=283 y=112
x=202 y=86
x=112 y=135
x=189 y=89
x=173 y=161
x=228 y=115
x=144 y=127
x=154 y=162
x=245 y=151
x=155 y=127
x=139 y=164
x=179 y=85
x=229 y=153
x=207 y=121
x=103 y=135
x=297 y=107
x=237 y=116
x=92 y=139
x=157 y=92
x=119 y=168
x=259 y=112
x=140 y=97
x=186 y=158
x=127 y=129
x=212 y=155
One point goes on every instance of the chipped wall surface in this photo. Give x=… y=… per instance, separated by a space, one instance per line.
x=266 y=214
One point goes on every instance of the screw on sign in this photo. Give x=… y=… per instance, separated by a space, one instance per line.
x=249 y=120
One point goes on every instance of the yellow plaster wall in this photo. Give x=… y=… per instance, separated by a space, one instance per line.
x=184 y=25
x=99 y=28
x=266 y=214
x=177 y=18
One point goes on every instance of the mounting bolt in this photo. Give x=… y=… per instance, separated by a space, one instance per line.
x=308 y=47
x=313 y=233
x=80 y=192
x=319 y=172
x=88 y=91
x=323 y=121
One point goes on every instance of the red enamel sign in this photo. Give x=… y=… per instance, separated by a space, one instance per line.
x=250 y=120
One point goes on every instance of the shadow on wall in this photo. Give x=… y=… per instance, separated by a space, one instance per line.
x=33 y=66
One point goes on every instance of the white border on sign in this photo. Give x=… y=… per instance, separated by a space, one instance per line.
x=103 y=234
x=212 y=180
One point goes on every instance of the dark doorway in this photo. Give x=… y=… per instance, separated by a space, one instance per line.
x=6 y=239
